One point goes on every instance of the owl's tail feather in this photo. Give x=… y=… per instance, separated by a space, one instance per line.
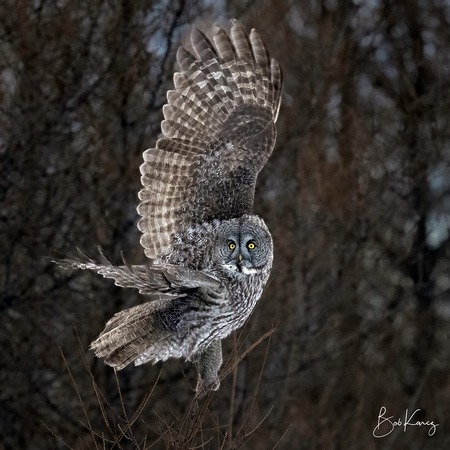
x=136 y=331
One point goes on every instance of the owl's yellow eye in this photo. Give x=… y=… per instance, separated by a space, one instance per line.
x=251 y=245
x=232 y=245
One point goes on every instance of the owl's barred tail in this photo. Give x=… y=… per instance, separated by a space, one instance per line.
x=131 y=333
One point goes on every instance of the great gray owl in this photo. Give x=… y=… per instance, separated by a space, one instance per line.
x=211 y=256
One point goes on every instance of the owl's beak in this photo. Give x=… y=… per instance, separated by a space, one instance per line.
x=240 y=257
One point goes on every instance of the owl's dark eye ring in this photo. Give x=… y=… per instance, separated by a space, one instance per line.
x=232 y=245
x=251 y=245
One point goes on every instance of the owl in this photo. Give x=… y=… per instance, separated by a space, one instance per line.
x=209 y=256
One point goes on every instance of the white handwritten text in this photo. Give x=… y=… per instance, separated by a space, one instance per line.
x=386 y=425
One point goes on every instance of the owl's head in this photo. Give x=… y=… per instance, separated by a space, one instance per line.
x=244 y=246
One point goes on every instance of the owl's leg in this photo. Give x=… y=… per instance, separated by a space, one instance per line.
x=208 y=364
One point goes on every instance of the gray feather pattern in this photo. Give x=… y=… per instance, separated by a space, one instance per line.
x=211 y=256
x=222 y=96
x=149 y=279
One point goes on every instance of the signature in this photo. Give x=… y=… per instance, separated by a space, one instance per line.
x=386 y=425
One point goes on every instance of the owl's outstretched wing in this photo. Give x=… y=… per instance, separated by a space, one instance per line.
x=219 y=131
x=164 y=279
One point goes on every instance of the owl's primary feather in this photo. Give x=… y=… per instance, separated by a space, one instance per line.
x=211 y=256
x=219 y=130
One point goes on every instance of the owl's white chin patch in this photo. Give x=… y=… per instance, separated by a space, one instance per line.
x=248 y=271
x=244 y=270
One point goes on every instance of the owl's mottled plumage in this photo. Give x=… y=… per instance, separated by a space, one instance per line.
x=211 y=256
x=219 y=131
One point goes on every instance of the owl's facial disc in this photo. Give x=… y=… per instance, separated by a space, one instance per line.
x=244 y=250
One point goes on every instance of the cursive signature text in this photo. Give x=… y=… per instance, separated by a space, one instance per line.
x=386 y=425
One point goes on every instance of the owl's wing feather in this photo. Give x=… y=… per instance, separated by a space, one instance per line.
x=219 y=131
x=165 y=279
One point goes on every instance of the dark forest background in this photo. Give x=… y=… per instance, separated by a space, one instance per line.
x=357 y=195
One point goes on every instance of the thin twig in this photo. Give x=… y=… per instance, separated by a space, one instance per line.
x=79 y=398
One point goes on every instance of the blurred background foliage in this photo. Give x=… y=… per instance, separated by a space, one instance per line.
x=356 y=194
